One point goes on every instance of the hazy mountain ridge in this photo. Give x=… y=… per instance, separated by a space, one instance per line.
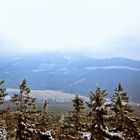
x=72 y=73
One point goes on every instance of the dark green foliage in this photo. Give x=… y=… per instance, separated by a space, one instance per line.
x=123 y=111
x=104 y=121
x=75 y=122
x=45 y=119
x=78 y=113
x=97 y=111
x=120 y=105
x=26 y=112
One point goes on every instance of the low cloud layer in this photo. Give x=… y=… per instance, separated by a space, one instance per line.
x=98 y=28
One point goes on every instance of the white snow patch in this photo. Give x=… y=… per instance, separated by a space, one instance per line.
x=69 y=58
x=43 y=67
x=114 y=67
x=7 y=98
x=86 y=135
x=77 y=82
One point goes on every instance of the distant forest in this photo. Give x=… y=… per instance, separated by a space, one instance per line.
x=95 y=119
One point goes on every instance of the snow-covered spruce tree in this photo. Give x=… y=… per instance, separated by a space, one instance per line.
x=6 y=116
x=26 y=112
x=78 y=114
x=131 y=131
x=75 y=122
x=56 y=127
x=45 y=119
x=10 y=122
x=97 y=110
x=2 y=93
x=123 y=120
x=120 y=106
x=2 y=111
x=98 y=114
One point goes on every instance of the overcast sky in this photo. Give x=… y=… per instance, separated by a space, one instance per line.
x=102 y=28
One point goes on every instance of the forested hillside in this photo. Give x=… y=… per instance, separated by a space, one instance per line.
x=95 y=119
x=72 y=73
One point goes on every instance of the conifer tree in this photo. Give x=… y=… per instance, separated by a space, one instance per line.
x=98 y=114
x=26 y=112
x=10 y=122
x=75 y=122
x=120 y=105
x=45 y=120
x=2 y=110
x=123 y=111
x=78 y=115
x=2 y=93
x=97 y=110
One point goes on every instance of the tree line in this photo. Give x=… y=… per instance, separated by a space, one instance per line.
x=112 y=120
